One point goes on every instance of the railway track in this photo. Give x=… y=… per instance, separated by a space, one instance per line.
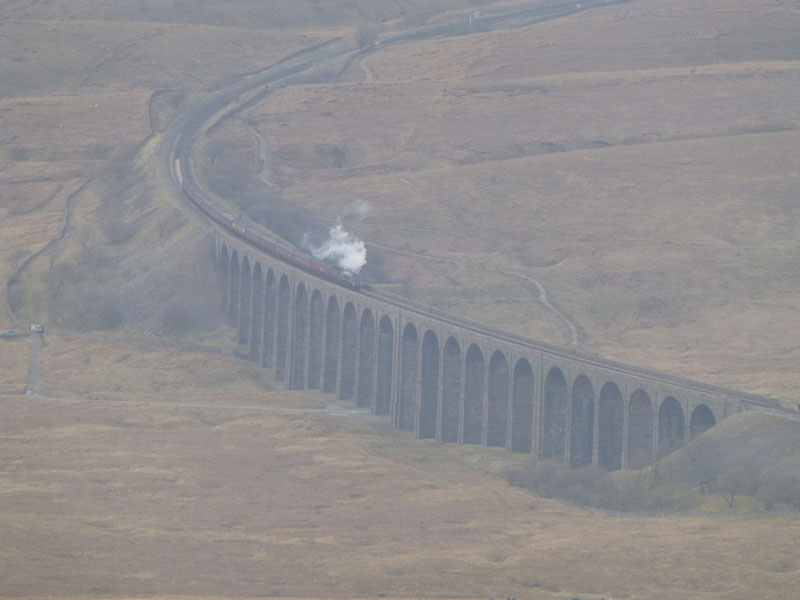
x=180 y=135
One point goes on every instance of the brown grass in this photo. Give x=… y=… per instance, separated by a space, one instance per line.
x=666 y=226
x=121 y=500
x=123 y=369
x=97 y=55
x=13 y=366
x=652 y=189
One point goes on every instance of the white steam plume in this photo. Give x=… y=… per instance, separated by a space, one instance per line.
x=342 y=248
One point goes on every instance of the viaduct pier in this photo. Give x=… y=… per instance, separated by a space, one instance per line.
x=457 y=381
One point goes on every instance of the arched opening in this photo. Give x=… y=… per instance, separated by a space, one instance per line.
x=347 y=376
x=225 y=272
x=554 y=417
x=383 y=392
x=257 y=325
x=332 y=333
x=246 y=297
x=610 y=427
x=497 y=423
x=429 y=399
x=282 y=343
x=522 y=408
x=233 y=289
x=702 y=420
x=671 y=426
x=315 y=341
x=409 y=358
x=300 y=344
x=451 y=391
x=640 y=430
x=366 y=360
x=270 y=321
x=474 y=382
x=581 y=422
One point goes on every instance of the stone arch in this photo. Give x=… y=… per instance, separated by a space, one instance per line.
x=233 y=289
x=610 y=427
x=225 y=272
x=257 y=324
x=282 y=329
x=316 y=337
x=640 y=430
x=451 y=391
x=347 y=371
x=245 y=297
x=522 y=408
x=581 y=422
x=554 y=417
x=429 y=390
x=383 y=392
x=702 y=420
x=270 y=320
x=332 y=335
x=409 y=359
x=474 y=385
x=671 y=426
x=497 y=422
x=300 y=342
x=366 y=360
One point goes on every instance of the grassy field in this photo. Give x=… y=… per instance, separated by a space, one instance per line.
x=147 y=500
x=645 y=173
x=640 y=161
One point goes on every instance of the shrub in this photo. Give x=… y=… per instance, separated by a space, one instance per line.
x=592 y=486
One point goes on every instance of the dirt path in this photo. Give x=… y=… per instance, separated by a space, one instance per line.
x=544 y=301
x=68 y=207
x=541 y=292
x=369 y=74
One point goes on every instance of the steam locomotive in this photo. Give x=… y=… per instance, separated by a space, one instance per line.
x=237 y=226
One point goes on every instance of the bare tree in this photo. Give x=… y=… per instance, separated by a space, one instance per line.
x=742 y=479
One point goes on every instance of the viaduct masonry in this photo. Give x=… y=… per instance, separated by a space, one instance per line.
x=457 y=381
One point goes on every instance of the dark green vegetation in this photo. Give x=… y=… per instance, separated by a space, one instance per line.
x=751 y=461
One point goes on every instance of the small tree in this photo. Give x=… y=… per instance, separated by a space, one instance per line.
x=737 y=480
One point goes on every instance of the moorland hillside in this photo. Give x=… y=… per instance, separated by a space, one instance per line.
x=638 y=161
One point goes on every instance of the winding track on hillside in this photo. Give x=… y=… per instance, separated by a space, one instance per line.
x=179 y=136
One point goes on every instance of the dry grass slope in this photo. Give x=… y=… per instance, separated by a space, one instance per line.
x=572 y=158
x=645 y=173
x=122 y=499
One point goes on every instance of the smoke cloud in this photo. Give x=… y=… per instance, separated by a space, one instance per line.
x=342 y=248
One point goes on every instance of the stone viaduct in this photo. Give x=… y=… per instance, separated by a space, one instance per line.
x=457 y=381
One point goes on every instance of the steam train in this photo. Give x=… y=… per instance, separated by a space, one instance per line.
x=237 y=226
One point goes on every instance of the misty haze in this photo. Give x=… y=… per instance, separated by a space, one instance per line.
x=399 y=299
